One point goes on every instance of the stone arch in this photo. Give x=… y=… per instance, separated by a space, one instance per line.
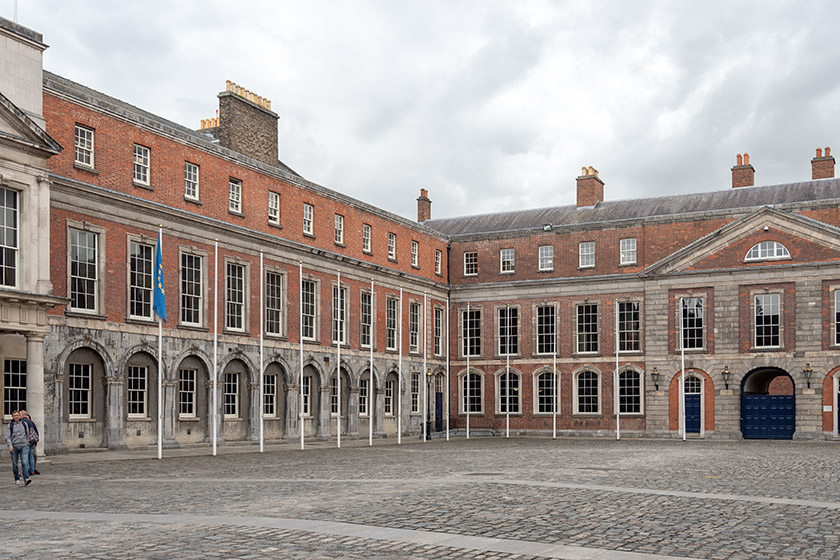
x=86 y=342
x=768 y=404
x=707 y=400
x=516 y=403
x=482 y=377
x=101 y=424
x=196 y=352
x=132 y=351
x=547 y=403
x=580 y=400
x=830 y=401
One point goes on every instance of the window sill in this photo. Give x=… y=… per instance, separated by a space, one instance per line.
x=236 y=333
x=146 y=186
x=235 y=419
x=505 y=414
x=311 y=341
x=392 y=259
x=438 y=274
x=84 y=314
x=507 y=272
x=235 y=213
x=767 y=349
x=367 y=252
x=337 y=244
x=585 y=354
x=198 y=328
x=546 y=414
x=691 y=351
x=189 y=419
x=627 y=264
x=470 y=275
x=274 y=224
x=415 y=266
x=140 y=321
x=587 y=415
x=275 y=336
x=82 y=420
x=544 y=270
x=309 y=235
x=138 y=419
x=193 y=201
x=589 y=267
x=85 y=168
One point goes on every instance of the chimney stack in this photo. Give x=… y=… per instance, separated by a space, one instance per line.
x=822 y=166
x=246 y=124
x=743 y=174
x=590 y=189
x=424 y=206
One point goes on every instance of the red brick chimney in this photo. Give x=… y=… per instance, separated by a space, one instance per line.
x=743 y=174
x=822 y=166
x=424 y=206
x=590 y=189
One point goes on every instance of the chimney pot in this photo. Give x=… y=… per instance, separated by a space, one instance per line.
x=822 y=166
x=739 y=160
x=743 y=174
x=746 y=158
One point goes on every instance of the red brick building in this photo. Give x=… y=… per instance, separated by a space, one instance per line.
x=569 y=320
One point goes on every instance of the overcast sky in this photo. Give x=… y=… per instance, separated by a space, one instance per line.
x=491 y=106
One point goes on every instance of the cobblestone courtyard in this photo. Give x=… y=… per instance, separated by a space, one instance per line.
x=482 y=498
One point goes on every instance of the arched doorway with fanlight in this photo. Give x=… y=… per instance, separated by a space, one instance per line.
x=768 y=404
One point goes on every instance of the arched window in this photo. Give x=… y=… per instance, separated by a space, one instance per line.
x=508 y=393
x=692 y=385
x=767 y=250
x=629 y=392
x=471 y=393
x=587 y=393
x=545 y=394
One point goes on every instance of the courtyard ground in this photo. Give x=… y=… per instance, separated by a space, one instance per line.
x=483 y=498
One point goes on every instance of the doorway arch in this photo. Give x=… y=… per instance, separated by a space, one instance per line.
x=768 y=404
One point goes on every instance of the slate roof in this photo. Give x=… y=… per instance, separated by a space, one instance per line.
x=740 y=199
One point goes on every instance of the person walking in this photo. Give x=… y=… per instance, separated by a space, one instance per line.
x=34 y=437
x=17 y=439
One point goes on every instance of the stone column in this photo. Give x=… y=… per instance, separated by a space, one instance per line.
x=170 y=412
x=352 y=413
x=114 y=413
x=42 y=242
x=325 y=413
x=210 y=386
x=291 y=428
x=379 y=412
x=255 y=410
x=35 y=379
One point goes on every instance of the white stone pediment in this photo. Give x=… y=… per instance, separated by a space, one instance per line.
x=18 y=131
x=807 y=240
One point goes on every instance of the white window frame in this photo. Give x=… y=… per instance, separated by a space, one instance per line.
x=14 y=386
x=438 y=262
x=541 y=347
x=467 y=336
x=415 y=392
x=230 y=399
x=339 y=229
x=470 y=263
x=515 y=400
x=415 y=254
x=836 y=311
x=622 y=394
x=83 y=142
x=576 y=392
x=462 y=393
x=392 y=313
x=137 y=391
x=234 y=304
x=775 y=301
x=683 y=326
x=84 y=395
x=273 y=208
x=306 y=396
x=392 y=246
x=235 y=195
x=187 y=380
x=142 y=164
x=553 y=383
x=365 y=319
x=437 y=331
x=388 y=404
x=367 y=234
x=140 y=279
x=767 y=251
x=511 y=320
x=624 y=333
x=191 y=180
x=546 y=258
x=189 y=301
x=10 y=244
x=97 y=282
x=580 y=335
x=275 y=302
x=414 y=326
x=340 y=301
x=269 y=408
x=507 y=261
x=308 y=219
x=310 y=324
x=627 y=251
x=586 y=254
x=364 y=397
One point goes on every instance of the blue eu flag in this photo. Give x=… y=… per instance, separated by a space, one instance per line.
x=159 y=302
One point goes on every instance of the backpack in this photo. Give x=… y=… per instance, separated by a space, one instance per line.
x=33 y=436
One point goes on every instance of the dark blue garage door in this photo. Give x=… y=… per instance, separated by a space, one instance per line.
x=768 y=416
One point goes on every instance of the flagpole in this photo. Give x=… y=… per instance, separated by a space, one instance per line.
x=554 y=373
x=338 y=360
x=507 y=371
x=261 y=407
x=371 y=401
x=467 y=403
x=399 y=367
x=300 y=325
x=616 y=389
x=682 y=372
x=215 y=339
x=426 y=419
x=160 y=289
x=447 y=369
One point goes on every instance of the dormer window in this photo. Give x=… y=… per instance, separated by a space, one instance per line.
x=766 y=251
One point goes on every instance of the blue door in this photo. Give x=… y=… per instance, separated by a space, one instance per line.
x=692 y=414
x=768 y=416
x=438 y=412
